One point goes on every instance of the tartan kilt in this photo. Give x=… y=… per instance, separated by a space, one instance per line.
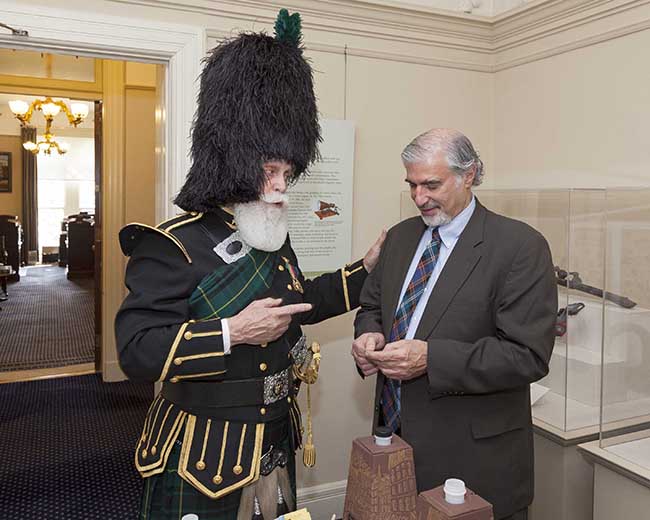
x=167 y=496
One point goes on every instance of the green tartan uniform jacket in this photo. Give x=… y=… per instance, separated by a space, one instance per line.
x=169 y=329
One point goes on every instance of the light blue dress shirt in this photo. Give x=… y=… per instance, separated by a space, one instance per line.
x=449 y=234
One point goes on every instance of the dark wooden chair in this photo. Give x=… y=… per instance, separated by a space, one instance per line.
x=11 y=229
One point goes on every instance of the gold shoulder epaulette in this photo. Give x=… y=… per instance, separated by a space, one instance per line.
x=132 y=234
x=179 y=220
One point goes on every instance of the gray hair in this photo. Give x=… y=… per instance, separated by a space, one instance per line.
x=458 y=149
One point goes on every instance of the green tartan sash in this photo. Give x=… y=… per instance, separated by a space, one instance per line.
x=230 y=288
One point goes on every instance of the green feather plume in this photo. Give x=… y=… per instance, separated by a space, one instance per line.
x=288 y=27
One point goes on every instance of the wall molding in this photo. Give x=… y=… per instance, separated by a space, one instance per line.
x=434 y=37
x=323 y=500
x=217 y=34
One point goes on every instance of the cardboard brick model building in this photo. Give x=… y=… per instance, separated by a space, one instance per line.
x=431 y=505
x=381 y=481
x=381 y=486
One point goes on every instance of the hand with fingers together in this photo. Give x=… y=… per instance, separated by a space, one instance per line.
x=405 y=359
x=263 y=321
x=368 y=342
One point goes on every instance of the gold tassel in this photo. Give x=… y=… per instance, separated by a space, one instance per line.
x=309 y=451
x=308 y=374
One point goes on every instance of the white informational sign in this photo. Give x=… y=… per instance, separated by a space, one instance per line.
x=320 y=204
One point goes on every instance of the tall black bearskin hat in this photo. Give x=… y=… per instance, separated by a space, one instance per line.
x=256 y=103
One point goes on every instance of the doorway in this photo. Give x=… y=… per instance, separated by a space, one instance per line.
x=180 y=49
x=53 y=318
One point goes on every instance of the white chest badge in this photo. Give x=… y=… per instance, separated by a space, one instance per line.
x=232 y=248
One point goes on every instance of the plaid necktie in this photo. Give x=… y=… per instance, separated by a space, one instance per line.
x=390 y=395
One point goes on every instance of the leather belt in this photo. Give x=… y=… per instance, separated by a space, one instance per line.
x=227 y=394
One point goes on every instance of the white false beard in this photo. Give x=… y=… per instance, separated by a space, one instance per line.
x=262 y=225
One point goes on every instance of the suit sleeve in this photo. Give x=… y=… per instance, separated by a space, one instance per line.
x=368 y=318
x=156 y=339
x=519 y=352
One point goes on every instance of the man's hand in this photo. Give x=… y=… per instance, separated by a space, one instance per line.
x=403 y=360
x=263 y=321
x=370 y=260
x=370 y=341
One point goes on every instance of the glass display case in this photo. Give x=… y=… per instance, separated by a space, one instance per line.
x=626 y=403
x=574 y=224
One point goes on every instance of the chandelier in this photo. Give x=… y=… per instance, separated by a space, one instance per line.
x=50 y=109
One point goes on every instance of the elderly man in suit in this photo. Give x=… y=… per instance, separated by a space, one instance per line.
x=457 y=318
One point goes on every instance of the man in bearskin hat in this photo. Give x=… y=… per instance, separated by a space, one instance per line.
x=216 y=298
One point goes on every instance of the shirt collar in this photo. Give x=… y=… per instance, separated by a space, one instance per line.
x=449 y=233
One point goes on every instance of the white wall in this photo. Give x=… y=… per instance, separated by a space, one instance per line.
x=579 y=119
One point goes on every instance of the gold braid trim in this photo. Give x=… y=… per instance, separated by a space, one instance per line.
x=345 y=290
x=183 y=468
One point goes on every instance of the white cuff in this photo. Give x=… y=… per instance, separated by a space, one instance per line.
x=225 y=335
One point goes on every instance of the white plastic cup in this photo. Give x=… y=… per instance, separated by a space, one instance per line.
x=455 y=491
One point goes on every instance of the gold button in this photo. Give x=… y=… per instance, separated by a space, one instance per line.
x=263 y=411
x=264 y=345
x=144 y=454
x=290 y=287
x=237 y=469
x=277 y=389
x=178 y=361
x=288 y=399
x=263 y=367
x=188 y=335
x=193 y=213
x=281 y=267
x=200 y=465
x=217 y=479
x=153 y=450
x=173 y=380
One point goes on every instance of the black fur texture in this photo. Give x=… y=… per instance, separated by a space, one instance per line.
x=256 y=103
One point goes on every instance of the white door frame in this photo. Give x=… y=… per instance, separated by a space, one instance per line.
x=181 y=49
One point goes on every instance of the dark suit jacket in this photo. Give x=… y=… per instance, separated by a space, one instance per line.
x=489 y=329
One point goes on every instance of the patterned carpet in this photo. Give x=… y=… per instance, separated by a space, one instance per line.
x=69 y=449
x=48 y=321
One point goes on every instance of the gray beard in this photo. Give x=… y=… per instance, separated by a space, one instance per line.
x=440 y=219
x=261 y=225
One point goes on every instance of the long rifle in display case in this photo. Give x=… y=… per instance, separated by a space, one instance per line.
x=572 y=280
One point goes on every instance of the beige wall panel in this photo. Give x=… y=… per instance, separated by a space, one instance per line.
x=579 y=119
x=390 y=104
x=140 y=172
x=12 y=203
x=329 y=82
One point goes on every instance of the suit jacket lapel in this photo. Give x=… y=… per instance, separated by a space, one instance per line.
x=407 y=245
x=458 y=267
